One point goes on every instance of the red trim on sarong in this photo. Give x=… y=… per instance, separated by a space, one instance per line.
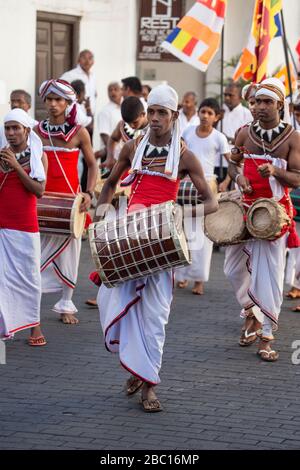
x=32 y=325
x=56 y=254
x=137 y=375
x=123 y=313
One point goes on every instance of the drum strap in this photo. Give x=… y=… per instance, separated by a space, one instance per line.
x=60 y=165
x=3 y=182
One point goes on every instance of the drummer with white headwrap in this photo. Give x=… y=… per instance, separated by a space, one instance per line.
x=22 y=180
x=271 y=151
x=134 y=314
x=63 y=138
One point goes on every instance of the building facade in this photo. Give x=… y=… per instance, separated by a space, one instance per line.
x=41 y=39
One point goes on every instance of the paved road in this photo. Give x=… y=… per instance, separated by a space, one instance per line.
x=216 y=395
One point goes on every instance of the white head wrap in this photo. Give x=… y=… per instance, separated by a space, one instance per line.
x=34 y=142
x=165 y=96
x=275 y=89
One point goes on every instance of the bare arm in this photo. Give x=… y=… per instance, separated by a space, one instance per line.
x=105 y=138
x=291 y=176
x=33 y=186
x=191 y=165
x=113 y=140
x=88 y=153
x=111 y=182
x=235 y=161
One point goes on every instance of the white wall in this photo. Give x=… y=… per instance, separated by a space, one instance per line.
x=108 y=28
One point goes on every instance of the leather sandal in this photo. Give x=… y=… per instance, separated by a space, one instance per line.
x=265 y=354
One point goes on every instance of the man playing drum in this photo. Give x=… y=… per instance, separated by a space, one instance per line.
x=63 y=138
x=134 y=314
x=271 y=152
x=22 y=181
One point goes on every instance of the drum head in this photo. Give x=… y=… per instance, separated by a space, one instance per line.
x=227 y=224
x=77 y=221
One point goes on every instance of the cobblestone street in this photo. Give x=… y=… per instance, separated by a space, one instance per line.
x=216 y=395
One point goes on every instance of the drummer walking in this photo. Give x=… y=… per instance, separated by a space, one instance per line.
x=22 y=180
x=63 y=138
x=134 y=314
x=207 y=144
x=271 y=151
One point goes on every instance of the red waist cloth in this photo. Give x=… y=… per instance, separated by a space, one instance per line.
x=17 y=205
x=56 y=182
x=261 y=188
x=148 y=189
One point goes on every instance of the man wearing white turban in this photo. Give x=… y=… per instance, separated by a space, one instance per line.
x=271 y=151
x=63 y=138
x=134 y=314
x=22 y=181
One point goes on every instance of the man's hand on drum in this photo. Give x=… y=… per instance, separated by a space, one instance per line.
x=266 y=170
x=86 y=202
x=243 y=184
x=8 y=156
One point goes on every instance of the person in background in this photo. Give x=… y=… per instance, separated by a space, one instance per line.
x=146 y=90
x=19 y=99
x=83 y=71
x=188 y=115
x=109 y=117
x=132 y=86
x=235 y=116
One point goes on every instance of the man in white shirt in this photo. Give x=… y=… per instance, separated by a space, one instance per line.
x=109 y=116
x=235 y=116
x=84 y=73
x=188 y=115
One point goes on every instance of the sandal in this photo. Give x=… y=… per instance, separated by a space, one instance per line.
x=39 y=341
x=148 y=406
x=133 y=385
x=246 y=338
x=265 y=354
x=294 y=293
x=296 y=309
x=92 y=303
x=182 y=284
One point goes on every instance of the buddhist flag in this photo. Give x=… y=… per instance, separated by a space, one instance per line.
x=283 y=76
x=266 y=25
x=196 y=38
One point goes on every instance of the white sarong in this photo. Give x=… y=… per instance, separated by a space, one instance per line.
x=199 y=270
x=20 y=281
x=133 y=318
x=59 y=267
x=256 y=272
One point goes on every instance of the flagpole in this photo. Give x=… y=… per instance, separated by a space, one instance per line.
x=285 y=48
x=221 y=94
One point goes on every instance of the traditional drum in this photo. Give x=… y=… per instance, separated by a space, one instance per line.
x=227 y=226
x=188 y=194
x=120 y=191
x=266 y=219
x=142 y=243
x=58 y=214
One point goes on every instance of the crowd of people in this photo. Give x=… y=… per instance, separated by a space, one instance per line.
x=151 y=143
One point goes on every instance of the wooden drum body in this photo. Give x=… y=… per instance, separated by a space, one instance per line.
x=58 y=214
x=266 y=219
x=143 y=243
x=227 y=226
x=188 y=194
